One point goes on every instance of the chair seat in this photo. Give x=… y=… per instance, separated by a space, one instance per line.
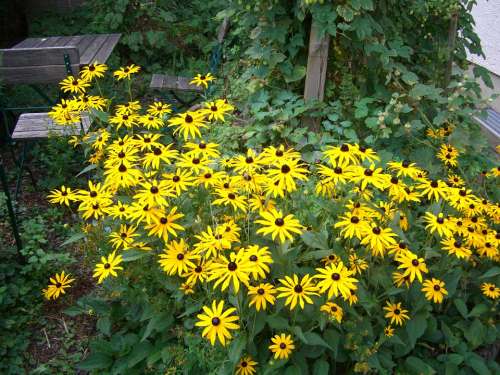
x=40 y=126
x=165 y=82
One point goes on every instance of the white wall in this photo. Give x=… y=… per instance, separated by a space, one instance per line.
x=487 y=17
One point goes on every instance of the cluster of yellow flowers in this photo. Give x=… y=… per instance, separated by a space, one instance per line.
x=144 y=181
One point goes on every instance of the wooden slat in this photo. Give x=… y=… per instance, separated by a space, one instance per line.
x=40 y=125
x=27 y=43
x=84 y=43
x=63 y=41
x=20 y=57
x=87 y=56
x=162 y=81
x=106 y=49
x=50 y=41
x=36 y=74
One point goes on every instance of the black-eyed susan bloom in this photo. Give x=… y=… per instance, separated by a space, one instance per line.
x=246 y=366
x=438 y=223
x=202 y=80
x=336 y=279
x=217 y=323
x=64 y=195
x=93 y=71
x=333 y=310
x=282 y=346
x=379 y=239
x=297 y=291
x=126 y=72
x=188 y=124
x=232 y=270
x=490 y=290
x=456 y=247
x=412 y=265
x=434 y=290
x=74 y=85
x=124 y=237
x=352 y=226
x=165 y=224
x=260 y=258
x=108 y=266
x=260 y=295
x=177 y=259
x=57 y=286
x=389 y=331
x=278 y=225
x=396 y=313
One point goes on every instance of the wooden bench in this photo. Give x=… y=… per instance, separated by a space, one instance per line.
x=31 y=126
x=51 y=59
x=179 y=83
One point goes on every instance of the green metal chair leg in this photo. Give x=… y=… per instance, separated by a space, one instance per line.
x=10 y=210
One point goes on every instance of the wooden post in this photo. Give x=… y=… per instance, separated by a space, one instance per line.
x=317 y=62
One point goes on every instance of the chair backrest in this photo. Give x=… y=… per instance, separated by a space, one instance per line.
x=37 y=65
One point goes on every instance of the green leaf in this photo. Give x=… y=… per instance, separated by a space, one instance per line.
x=74 y=311
x=139 y=352
x=95 y=361
x=475 y=333
x=321 y=367
x=418 y=366
x=158 y=322
x=130 y=255
x=104 y=325
x=88 y=168
x=277 y=322
x=293 y=370
x=494 y=271
x=478 y=310
x=461 y=307
x=236 y=348
x=416 y=327
x=316 y=240
x=315 y=339
x=476 y=362
x=74 y=238
x=298 y=332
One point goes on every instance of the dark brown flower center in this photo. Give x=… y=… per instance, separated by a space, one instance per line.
x=397 y=312
x=285 y=169
x=231 y=196
x=282 y=345
x=344 y=148
x=231 y=266
x=298 y=288
x=188 y=119
x=354 y=219
x=154 y=190
x=376 y=230
x=180 y=256
x=164 y=220
x=261 y=291
x=437 y=288
x=335 y=276
x=58 y=285
x=253 y=258
x=279 y=222
x=415 y=262
x=215 y=321
x=368 y=172
x=107 y=266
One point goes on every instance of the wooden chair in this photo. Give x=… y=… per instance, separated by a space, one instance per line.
x=175 y=84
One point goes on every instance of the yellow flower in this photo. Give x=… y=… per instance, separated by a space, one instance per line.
x=440 y=224
x=379 y=239
x=74 y=85
x=62 y=196
x=278 y=225
x=202 y=80
x=412 y=265
x=165 y=224
x=259 y=258
x=434 y=290
x=282 y=346
x=490 y=290
x=286 y=172
x=297 y=291
x=94 y=70
x=333 y=310
x=124 y=237
x=233 y=270
x=352 y=226
x=336 y=279
x=126 y=72
x=57 y=286
x=260 y=295
x=177 y=259
x=217 y=322
x=188 y=124
x=246 y=366
x=396 y=313
x=389 y=331
x=108 y=266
